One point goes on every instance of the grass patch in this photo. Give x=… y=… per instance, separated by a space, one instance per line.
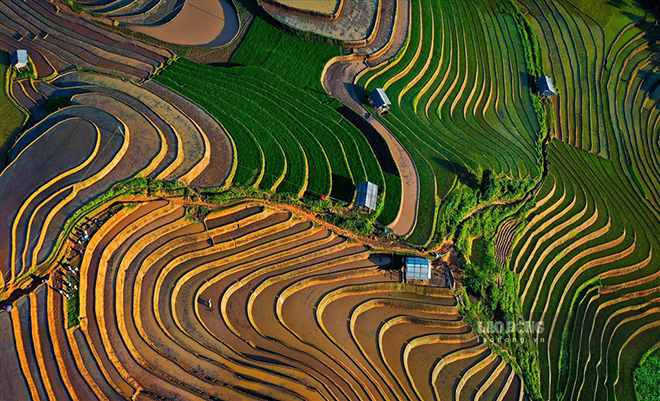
x=73 y=309
x=478 y=251
x=298 y=61
x=12 y=118
x=53 y=104
x=647 y=377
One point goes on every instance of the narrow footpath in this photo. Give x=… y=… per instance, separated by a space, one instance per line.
x=339 y=82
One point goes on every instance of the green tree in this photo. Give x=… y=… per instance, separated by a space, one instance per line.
x=488 y=186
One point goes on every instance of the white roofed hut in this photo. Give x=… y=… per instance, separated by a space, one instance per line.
x=546 y=87
x=19 y=60
x=367 y=195
x=380 y=101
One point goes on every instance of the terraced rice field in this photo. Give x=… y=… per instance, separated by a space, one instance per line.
x=350 y=22
x=461 y=99
x=288 y=137
x=314 y=6
x=587 y=257
x=135 y=12
x=296 y=312
x=286 y=140
x=57 y=42
x=200 y=23
x=588 y=267
x=112 y=131
x=605 y=62
x=177 y=298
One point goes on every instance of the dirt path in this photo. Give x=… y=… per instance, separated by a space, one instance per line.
x=376 y=243
x=204 y=23
x=339 y=81
x=407 y=217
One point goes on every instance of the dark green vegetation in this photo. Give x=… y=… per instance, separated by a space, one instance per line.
x=478 y=251
x=288 y=135
x=647 y=377
x=28 y=73
x=11 y=117
x=55 y=103
x=495 y=289
x=297 y=61
x=73 y=309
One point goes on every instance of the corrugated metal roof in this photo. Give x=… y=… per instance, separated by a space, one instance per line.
x=367 y=195
x=379 y=98
x=545 y=85
x=417 y=268
x=20 y=57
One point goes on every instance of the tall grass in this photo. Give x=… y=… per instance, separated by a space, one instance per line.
x=10 y=116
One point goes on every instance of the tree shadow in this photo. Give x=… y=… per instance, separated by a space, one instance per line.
x=375 y=139
x=465 y=176
x=650 y=86
x=342 y=188
x=527 y=80
x=226 y=65
x=356 y=92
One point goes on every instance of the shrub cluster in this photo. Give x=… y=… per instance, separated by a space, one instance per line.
x=465 y=199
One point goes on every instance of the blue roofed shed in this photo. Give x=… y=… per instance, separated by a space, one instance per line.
x=367 y=195
x=417 y=268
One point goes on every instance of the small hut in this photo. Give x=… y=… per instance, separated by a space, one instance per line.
x=546 y=87
x=19 y=59
x=367 y=195
x=380 y=101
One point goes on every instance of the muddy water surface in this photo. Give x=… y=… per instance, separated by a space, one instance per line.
x=204 y=23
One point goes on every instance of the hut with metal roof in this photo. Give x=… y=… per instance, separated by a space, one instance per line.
x=417 y=268
x=380 y=101
x=19 y=59
x=546 y=87
x=367 y=195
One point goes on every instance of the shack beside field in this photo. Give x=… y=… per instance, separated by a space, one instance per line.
x=546 y=86
x=19 y=59
x=367 y=195
x=378 y=98
x=417 y=268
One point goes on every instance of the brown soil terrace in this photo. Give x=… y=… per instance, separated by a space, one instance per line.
x=353 y=22
x=113 y=131
x=326 y=7
x=204 y=23
x=253 y=302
